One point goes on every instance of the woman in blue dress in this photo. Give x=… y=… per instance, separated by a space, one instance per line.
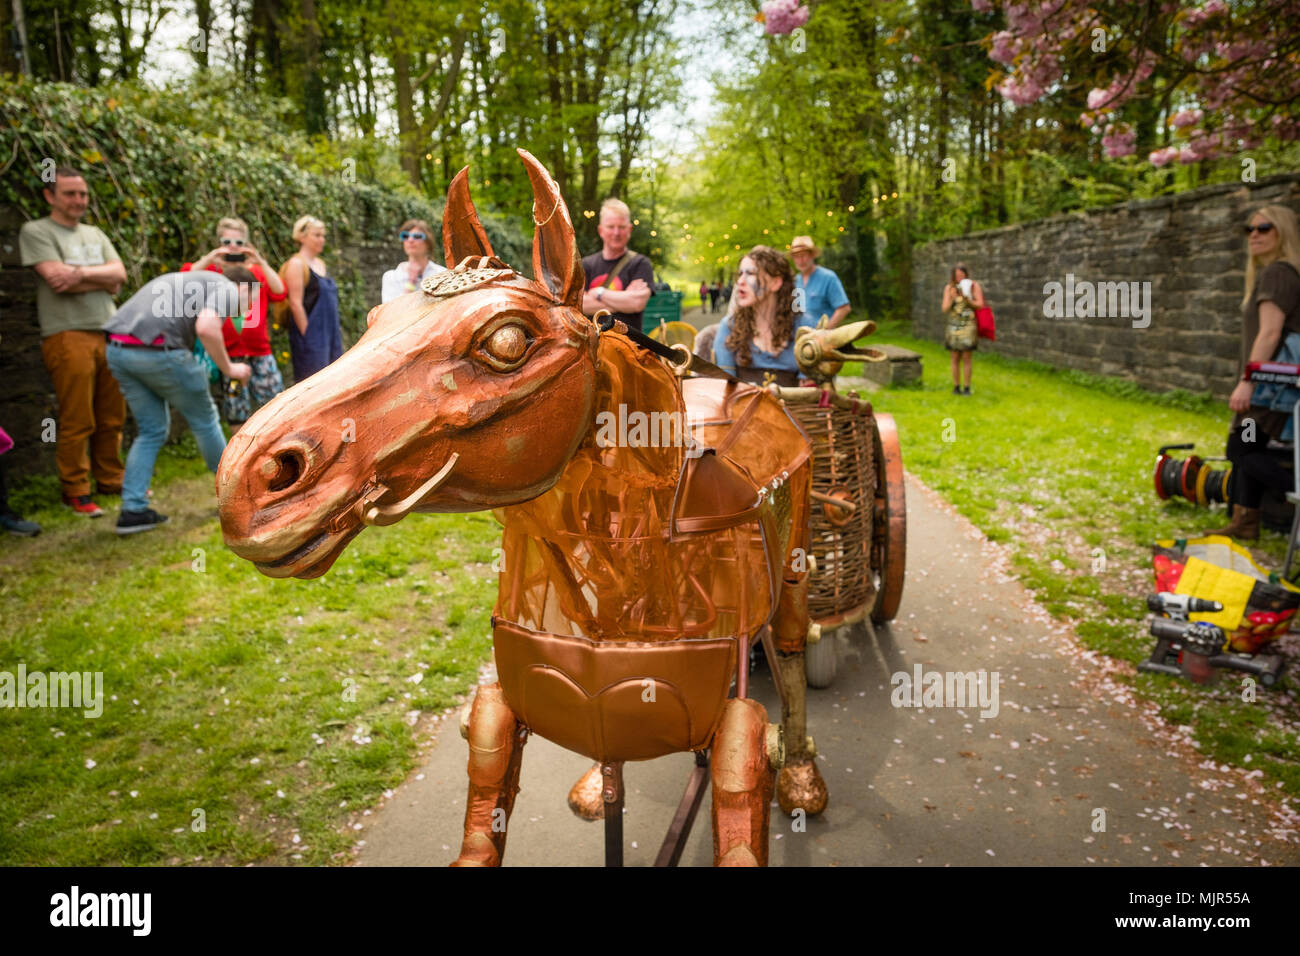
x=756 y=340
x=315 y=337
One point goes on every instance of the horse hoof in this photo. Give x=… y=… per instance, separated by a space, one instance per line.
x=738 y=855
x=801 y=787
x=586 y=799
x=478 y=850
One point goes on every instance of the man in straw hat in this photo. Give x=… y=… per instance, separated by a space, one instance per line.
x=817 y=288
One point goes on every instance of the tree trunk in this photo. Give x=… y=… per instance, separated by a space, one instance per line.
x=203 y=14
x=313 y=88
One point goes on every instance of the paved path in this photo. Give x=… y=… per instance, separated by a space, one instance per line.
x=907 y=786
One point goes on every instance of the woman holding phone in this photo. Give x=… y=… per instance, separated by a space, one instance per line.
x=962 y=298
x=250 y=343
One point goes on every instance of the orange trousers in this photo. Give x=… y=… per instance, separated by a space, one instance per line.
x=91 y=410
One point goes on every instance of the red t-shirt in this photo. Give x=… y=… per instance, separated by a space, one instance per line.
x=255 y=338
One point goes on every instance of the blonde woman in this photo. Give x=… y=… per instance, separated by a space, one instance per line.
x=417 y=243
x=1270 y=315
x=315 y=338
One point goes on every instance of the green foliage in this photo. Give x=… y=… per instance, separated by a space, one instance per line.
x=878 y=128
x=163 y=165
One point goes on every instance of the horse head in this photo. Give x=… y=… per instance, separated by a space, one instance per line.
x=470 y=394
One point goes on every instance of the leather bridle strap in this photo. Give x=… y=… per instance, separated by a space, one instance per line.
x=682 y=358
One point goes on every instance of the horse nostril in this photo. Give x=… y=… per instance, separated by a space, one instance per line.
x=289 y=466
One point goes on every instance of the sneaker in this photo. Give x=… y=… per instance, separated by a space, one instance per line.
x=131 y=522
x=966 y=390
x=16 y=525
x=956 y=389
x=83 y=505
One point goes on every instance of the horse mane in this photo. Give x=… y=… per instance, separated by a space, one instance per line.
x=594 y=556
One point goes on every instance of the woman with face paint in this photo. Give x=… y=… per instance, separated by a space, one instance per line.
x=757 y=338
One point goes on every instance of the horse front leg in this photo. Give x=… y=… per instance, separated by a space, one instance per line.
x=496 y=750
x=741 y=768
x=800 y=785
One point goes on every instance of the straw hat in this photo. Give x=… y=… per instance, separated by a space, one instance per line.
x=805 y=244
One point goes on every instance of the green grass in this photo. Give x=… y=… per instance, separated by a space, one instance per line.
x=207 y=671
x=1058 y=465
x=276 y=708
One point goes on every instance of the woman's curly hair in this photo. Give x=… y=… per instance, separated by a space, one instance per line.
x=741 y=338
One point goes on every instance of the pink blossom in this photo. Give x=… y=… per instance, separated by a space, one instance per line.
x=1186 y=118
x=981 y=6
x=1097 y=97
x=1004 y=47
x=1187 y=156
x=783 y=16
x=1119 y=140
x=1163 y=157
x=1020 y=92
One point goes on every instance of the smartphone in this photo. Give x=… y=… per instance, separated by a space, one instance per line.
x=236 y=256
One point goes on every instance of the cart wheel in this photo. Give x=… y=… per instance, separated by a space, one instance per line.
x=889 y=522
x=1268 y=679
x=820 y=661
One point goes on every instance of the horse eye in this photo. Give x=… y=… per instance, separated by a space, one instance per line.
x=506 y=346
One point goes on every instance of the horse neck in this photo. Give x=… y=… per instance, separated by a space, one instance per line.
x=620 y=488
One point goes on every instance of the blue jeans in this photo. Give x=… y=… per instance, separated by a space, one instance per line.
x=151 y=379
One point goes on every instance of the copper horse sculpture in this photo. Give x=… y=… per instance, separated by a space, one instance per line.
x=639 y=564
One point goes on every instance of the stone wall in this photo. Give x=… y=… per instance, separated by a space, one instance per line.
x=1189 y=248
x=26 y=393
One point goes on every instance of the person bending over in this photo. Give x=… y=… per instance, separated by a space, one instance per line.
x=151 y=354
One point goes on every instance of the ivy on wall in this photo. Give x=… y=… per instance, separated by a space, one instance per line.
x=163 y=166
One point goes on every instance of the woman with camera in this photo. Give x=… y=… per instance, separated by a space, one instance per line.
x=1270 y=331
x=250 y=344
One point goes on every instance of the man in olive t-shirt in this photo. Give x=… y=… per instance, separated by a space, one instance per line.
x=78 y=272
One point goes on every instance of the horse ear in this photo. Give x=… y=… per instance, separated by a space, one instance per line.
x=462 y=233
x=556 y=263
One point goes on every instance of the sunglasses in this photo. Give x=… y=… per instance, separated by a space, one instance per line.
x=404 y=235
x=234 y=242
x=1263 y=228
